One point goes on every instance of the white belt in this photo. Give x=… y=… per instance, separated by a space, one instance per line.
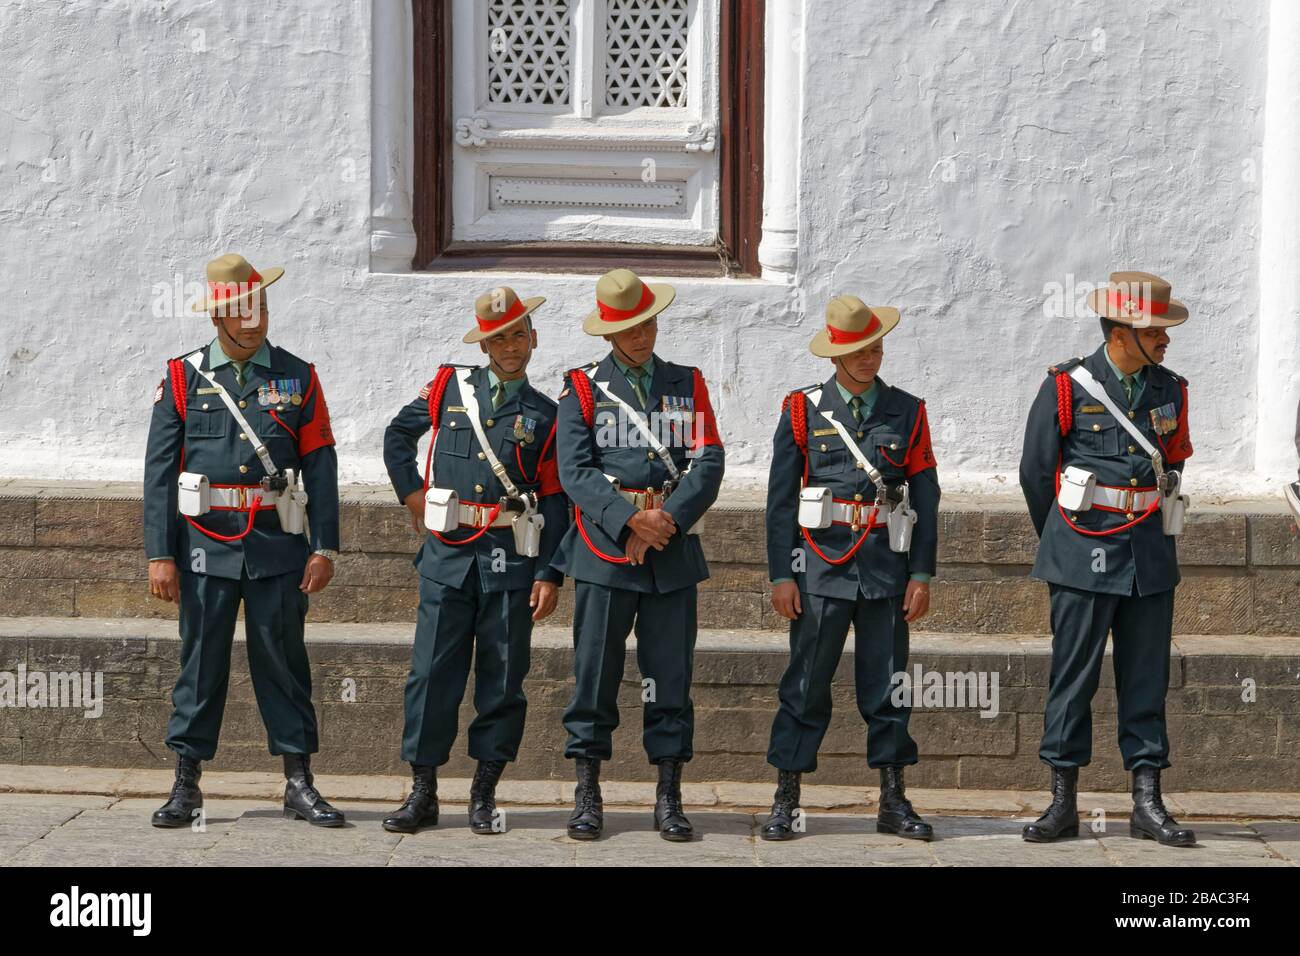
x=1124 y=499
x=855 y=514
x=475 y=516
x=241 y=499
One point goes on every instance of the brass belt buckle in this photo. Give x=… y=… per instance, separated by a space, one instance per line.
x=855 y=516
x=1129 y=496
x=243 y=499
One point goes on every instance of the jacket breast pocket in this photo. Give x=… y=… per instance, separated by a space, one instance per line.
x=826 y=457
x=890 y=451
x=267 y=427
x=207 y=423
x=1098 y=434
x=454 y=434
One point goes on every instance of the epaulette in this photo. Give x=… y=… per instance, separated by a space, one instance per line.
x=1172 y=374
x=904 y=394
x=1064 y=366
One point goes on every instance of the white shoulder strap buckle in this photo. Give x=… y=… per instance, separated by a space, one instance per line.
x=644 y=428
x=1094 y=388
x=263 y=453
x=471 y=408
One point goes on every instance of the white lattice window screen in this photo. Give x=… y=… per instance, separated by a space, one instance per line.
x=530 y=52
x=646 y=52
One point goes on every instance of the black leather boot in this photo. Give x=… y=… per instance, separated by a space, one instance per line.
x=780 y=823
x=302 y=801
x=185 y=798
x=483 y=795
x=421 y=807
x=1061 y=818
x=588 y=817
x=896 y=814
x=670 y=821
x=1150 y=819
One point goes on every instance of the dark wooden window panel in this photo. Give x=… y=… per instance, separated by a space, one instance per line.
x=740 y=160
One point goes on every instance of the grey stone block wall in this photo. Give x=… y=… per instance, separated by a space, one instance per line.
x=62 y=555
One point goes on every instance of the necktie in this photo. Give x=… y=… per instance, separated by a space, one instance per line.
x=498 y=395
x=241 y=369
x=637 y=386
x=856 y=403
x=1130 y=382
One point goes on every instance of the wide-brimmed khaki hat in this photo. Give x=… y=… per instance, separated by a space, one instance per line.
x=623 y=300
x=233 y=280
x=1139 y=299
x=852 y=325
x=499 y=310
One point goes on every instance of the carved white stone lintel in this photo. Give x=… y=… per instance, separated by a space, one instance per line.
x=477 y=132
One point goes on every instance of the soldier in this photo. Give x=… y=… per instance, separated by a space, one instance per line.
x=494 y=514
x=641 y=459
x=1104 y=450
x=236 y=426
x=852 y=534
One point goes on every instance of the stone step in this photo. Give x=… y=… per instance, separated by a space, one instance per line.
x=1233 y=707
x=74 y=549
x=453 y=793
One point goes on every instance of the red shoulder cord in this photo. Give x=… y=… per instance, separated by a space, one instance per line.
x=1065 y=415
x=797 y=402
x=438 y=388
x=180 y=388
x=586 y=401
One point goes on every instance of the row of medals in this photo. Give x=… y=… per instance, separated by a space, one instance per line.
x=271 y=395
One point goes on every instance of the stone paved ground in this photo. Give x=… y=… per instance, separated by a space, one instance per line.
x=66 y=825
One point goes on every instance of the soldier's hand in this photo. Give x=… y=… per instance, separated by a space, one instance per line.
x=636 y=549
x=655 y=525
x=785 y=600
x=415 y=504
x=164 y=580
x=317 y=574
x=543 y=599
x=916 y=600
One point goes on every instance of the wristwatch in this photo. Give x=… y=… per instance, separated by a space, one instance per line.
x=331 y=555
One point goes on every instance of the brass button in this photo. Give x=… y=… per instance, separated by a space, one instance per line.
x=650 y=455
x=822 y=447
x=451 y=424
x=859 y=464
x=243 y=404
x=482 y=456
x=205 y=406
x=1131 y=414
x=1131 y=449
x=1129 y=516
x=857 y=497
x=279 y=408
x=243 y=437
x=1133 y=482
x=893 y=446
x=1096 y=428
x=490 y=422
x=860 y=434
x=478 y=489
x=243 y=469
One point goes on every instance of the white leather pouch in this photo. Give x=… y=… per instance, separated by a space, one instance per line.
x=1077 y=486
x=815 y=508
x=291 y=506
x=528 y=534
x=193 y=494
x=441 y=510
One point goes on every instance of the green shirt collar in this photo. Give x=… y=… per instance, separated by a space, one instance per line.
x=1137 y=376
x=513 y=385
x=868 y=397
x=648 y=366
x=217 y=356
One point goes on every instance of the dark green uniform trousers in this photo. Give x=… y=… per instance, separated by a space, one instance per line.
x=880 y=647
x=1143 y=628
x=454 y=623
x=274 y=613
x=665 y=654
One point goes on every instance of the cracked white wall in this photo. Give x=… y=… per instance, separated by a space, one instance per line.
x=956 y=159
